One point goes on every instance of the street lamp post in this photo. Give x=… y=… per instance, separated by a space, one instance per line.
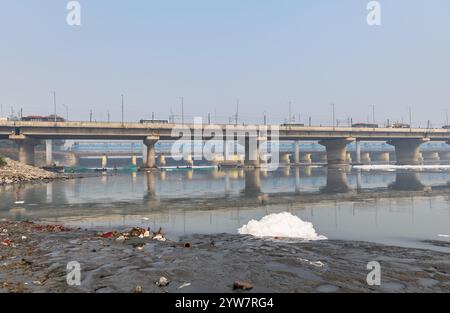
x=54 y=106
x=67 y=111
x=122 y=108
x=334 y=115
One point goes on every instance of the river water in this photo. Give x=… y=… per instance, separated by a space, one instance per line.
x=407 y=207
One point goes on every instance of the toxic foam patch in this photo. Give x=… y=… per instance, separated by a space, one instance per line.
x=283 y=225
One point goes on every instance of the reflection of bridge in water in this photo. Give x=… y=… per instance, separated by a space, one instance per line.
x=218 y=189
x=336 y=183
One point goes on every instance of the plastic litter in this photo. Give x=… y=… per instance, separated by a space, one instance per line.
x=162 y=282
x=184 y=285
x=242 y=285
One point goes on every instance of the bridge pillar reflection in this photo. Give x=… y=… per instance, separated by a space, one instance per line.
x=336 y=182
x=408 y=181
x=252 y=182
x=407 y=151
x=336 y=150
x=149 y=142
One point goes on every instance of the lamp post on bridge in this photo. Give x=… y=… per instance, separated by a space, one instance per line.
x=67 y=111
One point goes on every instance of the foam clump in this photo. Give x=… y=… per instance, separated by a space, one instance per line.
x=283 y=225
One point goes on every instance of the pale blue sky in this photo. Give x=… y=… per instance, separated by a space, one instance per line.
x=266 y=52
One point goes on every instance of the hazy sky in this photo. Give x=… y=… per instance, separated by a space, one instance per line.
x=264 y=52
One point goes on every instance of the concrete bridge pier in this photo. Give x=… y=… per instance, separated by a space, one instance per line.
x=431 y=156
x=336 y=150
x=380 y=156
x=162 y=160
x=306 y=158
x=285 y=158
x=358 y=151
x=296 y=153
x=407 y=151
x=26 y=148
x=251 y=144
x=365 y=157
x=444 y=155
x=150 y=161
x=104 y=161
x=49 y=152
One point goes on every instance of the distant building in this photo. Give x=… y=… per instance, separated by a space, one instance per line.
x=38 y=118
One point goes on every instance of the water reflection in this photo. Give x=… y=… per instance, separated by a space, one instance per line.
x=408 y=181
x=342 y=203
x=336 y=181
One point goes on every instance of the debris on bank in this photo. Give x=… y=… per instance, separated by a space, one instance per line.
x=14 y=172
x=135 y=232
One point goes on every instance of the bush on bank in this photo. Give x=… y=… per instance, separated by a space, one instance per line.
x=2 y=161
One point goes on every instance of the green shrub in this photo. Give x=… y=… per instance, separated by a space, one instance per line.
x=2 y=161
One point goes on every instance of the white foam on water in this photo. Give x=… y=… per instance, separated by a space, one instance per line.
x=283 y=225
x=393 y=167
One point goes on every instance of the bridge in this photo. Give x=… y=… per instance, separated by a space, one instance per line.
x=406 y=141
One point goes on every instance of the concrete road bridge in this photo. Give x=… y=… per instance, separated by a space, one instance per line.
x=406 y=141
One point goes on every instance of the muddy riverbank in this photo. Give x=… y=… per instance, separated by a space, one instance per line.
x=34 y=258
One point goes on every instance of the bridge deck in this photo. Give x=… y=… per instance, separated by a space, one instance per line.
x=138 y=131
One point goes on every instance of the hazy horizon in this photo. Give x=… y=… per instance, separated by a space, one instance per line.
x=266 y=53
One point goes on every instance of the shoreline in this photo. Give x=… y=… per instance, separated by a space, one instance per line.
x=16 y=173
x=35 y=258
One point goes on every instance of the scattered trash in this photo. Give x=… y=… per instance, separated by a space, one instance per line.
x=107 y=235
x=314 y=263
x=7 y=242
x=162 y=282
x=159 y=237
x=145 y=218
x=242 y=285
x=37 y=282
x=187 y=245
x=137 y=289
x=184 y=285
x=24 y=237
x=137 y=232
x=51 y=228
x=19 y=202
